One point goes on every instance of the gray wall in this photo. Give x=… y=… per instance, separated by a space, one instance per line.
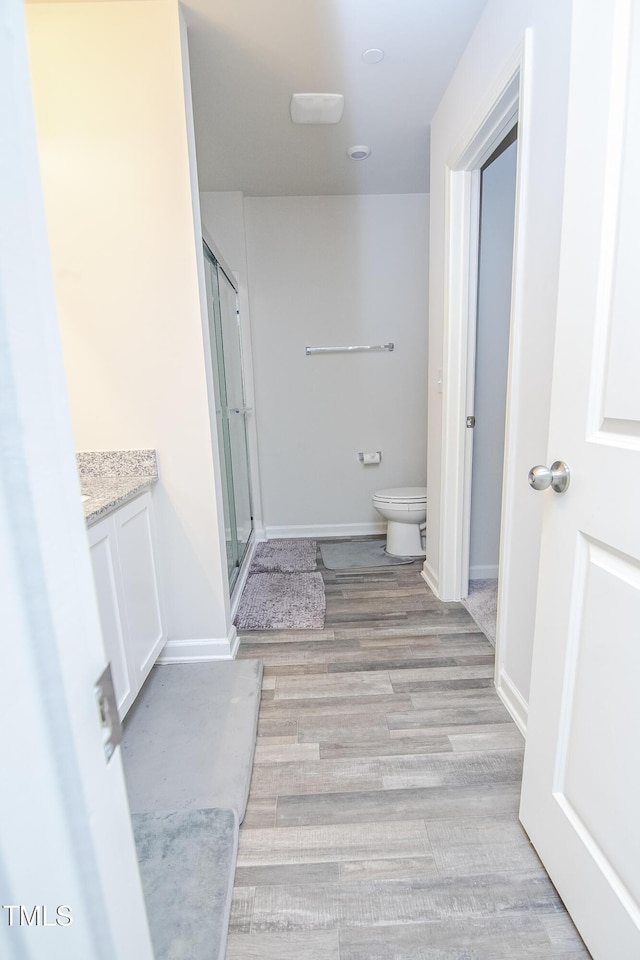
x=337 y=270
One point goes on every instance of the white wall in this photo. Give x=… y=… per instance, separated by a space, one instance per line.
x=223 y=218
x=327 y=271
x=492 y=348
x=117 y=157
x=496 y=40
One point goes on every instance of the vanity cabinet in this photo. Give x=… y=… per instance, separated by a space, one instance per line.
x=124 y=569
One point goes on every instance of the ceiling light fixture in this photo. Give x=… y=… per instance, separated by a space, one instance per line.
x=359 y=153
x=317 y=107
x=374 y=55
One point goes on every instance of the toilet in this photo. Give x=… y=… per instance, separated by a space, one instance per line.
x=405 y=510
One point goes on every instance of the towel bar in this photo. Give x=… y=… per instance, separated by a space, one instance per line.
x=375 y=348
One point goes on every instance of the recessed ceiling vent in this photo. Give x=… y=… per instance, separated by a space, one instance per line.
x=317 y=107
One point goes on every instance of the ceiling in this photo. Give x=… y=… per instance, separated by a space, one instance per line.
x=249 y=56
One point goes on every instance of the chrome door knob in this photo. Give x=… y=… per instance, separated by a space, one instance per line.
x=556 y=476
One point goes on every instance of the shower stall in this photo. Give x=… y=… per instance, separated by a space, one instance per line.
x=230 y=409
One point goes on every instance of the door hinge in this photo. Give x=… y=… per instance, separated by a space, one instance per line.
x=471 y=422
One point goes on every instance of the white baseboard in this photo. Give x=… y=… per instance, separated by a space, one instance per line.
x=429 y=575
x=513 y=701
x=487 y=571
x=192 y=651
x=327 y=530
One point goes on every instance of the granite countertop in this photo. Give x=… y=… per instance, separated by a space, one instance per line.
x=110 y=478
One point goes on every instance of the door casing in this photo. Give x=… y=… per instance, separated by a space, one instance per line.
x=508 y=103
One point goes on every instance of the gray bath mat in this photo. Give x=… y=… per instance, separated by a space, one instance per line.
x=190 y=737
x=284 y=556
x=482 y=604
x=282 y=601
x=187 y=865
x=348 y=554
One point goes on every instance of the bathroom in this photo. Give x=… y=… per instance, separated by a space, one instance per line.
x=128 y=270
x=359 y=278
x=137 y=379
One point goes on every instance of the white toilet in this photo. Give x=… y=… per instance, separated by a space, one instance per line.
x=405 y=510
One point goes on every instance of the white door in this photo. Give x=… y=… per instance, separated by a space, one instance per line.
x=69 y=876
x=581 y=786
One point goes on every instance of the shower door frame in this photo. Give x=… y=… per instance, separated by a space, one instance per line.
x=235 y=575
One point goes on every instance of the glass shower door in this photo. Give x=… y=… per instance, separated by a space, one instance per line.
x=231 y=411
x=237 y=410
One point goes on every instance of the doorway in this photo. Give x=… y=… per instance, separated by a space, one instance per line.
x=231 y=411
x=487 y=384
x=524 y=421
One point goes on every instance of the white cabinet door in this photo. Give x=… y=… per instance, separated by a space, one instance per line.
x=140 y=596
x=124 y=569
x=581 y=785
x=106 y=575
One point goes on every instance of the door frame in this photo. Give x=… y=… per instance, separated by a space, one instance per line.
x=248 y=420
x=507 y=103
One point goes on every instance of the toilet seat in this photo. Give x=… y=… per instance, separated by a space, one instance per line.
x=405 y=510
x=402 y=496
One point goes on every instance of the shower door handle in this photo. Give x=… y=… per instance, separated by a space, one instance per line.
x=243 y=410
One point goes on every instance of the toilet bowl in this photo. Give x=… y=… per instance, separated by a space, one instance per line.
x=405 y=510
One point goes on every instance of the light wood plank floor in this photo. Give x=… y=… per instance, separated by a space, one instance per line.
x=382 y=820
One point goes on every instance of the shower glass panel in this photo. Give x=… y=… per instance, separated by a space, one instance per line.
x=236 y=408
x=213 y=307
x=231 y=411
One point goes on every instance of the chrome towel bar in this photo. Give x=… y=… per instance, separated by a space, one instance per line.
x=375 y=348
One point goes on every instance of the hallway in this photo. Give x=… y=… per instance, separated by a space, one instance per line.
x=382 y=819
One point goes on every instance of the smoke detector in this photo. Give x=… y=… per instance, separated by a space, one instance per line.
x=360 y=152
x=317 y=107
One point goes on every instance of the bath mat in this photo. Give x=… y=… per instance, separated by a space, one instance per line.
x=190 y=737
x=351 y=554
x=282 y=601
x=187 y=865
x=482 y=604
x=284 y=556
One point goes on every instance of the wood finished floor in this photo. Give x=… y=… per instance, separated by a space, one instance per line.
x=382 y=820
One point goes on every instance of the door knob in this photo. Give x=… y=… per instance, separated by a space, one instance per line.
x=556 y=476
